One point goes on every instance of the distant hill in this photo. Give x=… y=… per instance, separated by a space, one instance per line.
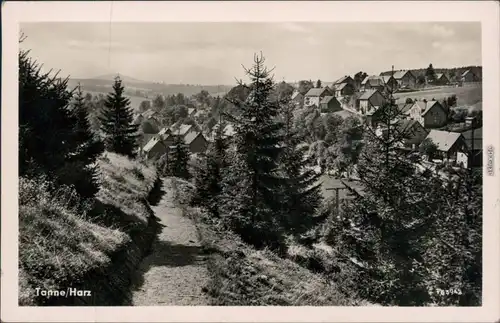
x=124 y=78
x=449 y=72
x=146 y=89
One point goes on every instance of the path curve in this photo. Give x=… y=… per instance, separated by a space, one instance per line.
x=175 y=272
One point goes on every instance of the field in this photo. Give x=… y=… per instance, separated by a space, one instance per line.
x=467 y=96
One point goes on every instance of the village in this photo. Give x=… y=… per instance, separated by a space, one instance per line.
x=455 y=144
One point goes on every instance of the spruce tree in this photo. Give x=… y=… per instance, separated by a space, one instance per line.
x=252 y=185
x=177 y=159
x=301 y=192
x=117 y=123
x=45 y=121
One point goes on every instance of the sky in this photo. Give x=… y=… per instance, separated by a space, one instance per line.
x=213 y=53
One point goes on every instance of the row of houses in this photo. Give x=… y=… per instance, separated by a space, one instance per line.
x=158 y=144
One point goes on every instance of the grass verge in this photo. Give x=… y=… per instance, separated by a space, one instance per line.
x=61 y=245
x=243 y=276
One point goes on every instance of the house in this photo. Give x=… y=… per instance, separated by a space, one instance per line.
x=380 y=83
x=448 y=144
x=298 y=98
x=313 y=96
x=154 y=148
x=411 y=133
x=430 y=114
x=346 y=79
x=370 y=100
x=405 y=79
x=196 y=142
x=159 y=143
x=469 y=76
x=474 y=140
x=343 y=89
x=330 y=104
x=441 y=79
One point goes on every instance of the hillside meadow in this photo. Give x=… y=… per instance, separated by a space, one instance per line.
x=467 y=96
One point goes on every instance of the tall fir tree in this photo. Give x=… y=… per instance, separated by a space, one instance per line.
x=117 y=122
x=301 y=192
x=177 y=159
x=45 y=121
x=208 y=180
x=252 y=201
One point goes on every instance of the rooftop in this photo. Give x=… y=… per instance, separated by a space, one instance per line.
x=444 y=140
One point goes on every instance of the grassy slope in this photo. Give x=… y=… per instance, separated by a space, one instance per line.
x=466 y=95
x=242 y=275
x=57 y=245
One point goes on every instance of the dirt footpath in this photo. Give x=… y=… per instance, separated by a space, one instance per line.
x=175 y=271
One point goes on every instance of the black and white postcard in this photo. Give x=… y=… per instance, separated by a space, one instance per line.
x=250 y=161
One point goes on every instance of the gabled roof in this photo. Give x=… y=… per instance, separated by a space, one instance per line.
x=327 y=99
x=151 y=143
x=191 y=136
x=343 y=79
x=444 y=140
x=466 y=72
x=387 y=78
x=180 y=130
x=340 y=86
x=405 y=107
x=406 y=125
x=439 y=75
x=426 y=106
x=295 y=94
x=400 y=74
x=429 y=105
x=373 y=80
x=316 y=91
x=191 y=110
x=368 y=94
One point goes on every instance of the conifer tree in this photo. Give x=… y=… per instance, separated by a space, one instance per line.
x=178 y=158
x=45 y=122
x=252 y=185
x=117 y=123
x=301 y=193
